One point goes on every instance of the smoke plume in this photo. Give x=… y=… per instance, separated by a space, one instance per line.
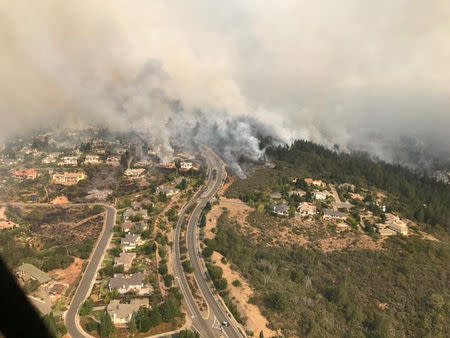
x=365 y=76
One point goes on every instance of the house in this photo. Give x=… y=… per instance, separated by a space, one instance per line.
x=167 y=190
x=356 y=196
x=281 y=209
x=331 y=215
x=28 y=271
x=130 y=213
x=113 y=161
x=125 y=259
x=347 y=186
x=317 y=183
x=320 y=195
x=130 y=241
x=50 y=158
x=92 y=159
x=306 y=209
x=127 y=226
x=383 y=231
x=67 y=178
x=121 y=313
x=25 y=174
x=184 y=165
x=341 y=205
x=69 y=160
x=134 y=173
x=299 y=193
x=394 y=223
x=126 y=283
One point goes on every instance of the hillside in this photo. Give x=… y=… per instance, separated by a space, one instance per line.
x=341 y=278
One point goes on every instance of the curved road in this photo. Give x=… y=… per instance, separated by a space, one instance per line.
x=88 y=278
x=211 y=326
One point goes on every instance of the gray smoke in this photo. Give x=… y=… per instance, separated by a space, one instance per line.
x=366 y=76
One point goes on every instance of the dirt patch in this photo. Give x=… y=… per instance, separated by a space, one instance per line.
x=428 y=236
x=240 y=295
x=60 y=200
x=69 y=274
x=4 y=222
x=363 y=242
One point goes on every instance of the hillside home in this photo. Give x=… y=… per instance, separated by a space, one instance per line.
x=69 y=160
x=130 y=241
x=281 y=209
x=130 y=213
x=306 y=209
x=126 y=283
x=184 y=165
x=92 y=160
x=134 y=173
x=167 y=190
x=25 y=174
x=394 y=223
x=121 y=313
x=320 y=195
x=125 y=259
x=341 y=205
x=317 y=183
x=28 y=271
x=67 y=178
x=113 y=161
x=331 y=215
x=299 y=193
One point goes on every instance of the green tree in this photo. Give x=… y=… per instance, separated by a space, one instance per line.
x=132 y=326
x=86 y=307
x=155 y=317
x=169 y=310
x=142 y=320
x=106 y=327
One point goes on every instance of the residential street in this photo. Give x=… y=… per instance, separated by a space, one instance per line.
x=88 y=278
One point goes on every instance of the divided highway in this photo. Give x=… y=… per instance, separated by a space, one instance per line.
x=88 y=277
x=211 y=326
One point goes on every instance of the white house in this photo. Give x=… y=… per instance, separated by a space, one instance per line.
x=92 y=159
x=69 y=160
x=185 y=165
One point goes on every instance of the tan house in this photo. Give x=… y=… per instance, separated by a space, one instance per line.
x=306 y=209
x=92 y=159
x=113 y=161
x=25 y=174
x=125 y=259
x=69 y=160
x=122 y=313
x=331 y=215
x=134 y=173
x=67 y=178
x=317 y=183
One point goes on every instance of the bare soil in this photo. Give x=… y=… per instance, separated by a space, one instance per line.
x=4 y=222
x=240 y=295
x=69 y=274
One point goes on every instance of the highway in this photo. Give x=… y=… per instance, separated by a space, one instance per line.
x=211 y=326
x=88 y=278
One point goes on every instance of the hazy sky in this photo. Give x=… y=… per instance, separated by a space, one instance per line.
x=371 y=75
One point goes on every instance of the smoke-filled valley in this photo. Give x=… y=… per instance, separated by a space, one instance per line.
x=371 y=78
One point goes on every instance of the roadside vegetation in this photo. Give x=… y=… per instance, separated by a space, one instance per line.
x=401 y=290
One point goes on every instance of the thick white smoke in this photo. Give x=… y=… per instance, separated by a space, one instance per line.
x=370 y=76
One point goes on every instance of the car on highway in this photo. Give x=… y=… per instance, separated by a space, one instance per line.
x=225 y=323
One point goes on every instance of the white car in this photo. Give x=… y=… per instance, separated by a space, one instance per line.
x=225 y=323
